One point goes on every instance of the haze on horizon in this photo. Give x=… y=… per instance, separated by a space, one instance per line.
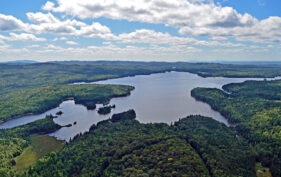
x=140 y=30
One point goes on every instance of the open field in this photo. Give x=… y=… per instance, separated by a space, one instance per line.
x=40 y=146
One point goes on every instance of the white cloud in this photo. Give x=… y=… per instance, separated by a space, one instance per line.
x=48 y=6
x=6 y=49
x=71 y=43
x=219 y=38
x=110 y=51
x=61 y=28
x=95 y=30
x=4 y=46
x=254 y=47
x=229 y=50
x=51 y=46
x=9 y=23
x=41 y=18
x=24 y=37
x=2 y=38
x=152 y=37
x=174 y=13
x=33 y=46
x=61 y=38
x=131 y=52
x=264 y=31
x=21 y=37
x=191 y=17
x=48 y=23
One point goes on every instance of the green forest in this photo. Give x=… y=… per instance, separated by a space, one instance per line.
x=122 y=146
x=255 y=108
x=38 y=100
x=24 y=87
x=16 y=76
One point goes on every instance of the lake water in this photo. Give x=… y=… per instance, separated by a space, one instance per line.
x=163 y=97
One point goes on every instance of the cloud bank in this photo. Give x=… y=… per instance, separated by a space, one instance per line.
x=204 y=28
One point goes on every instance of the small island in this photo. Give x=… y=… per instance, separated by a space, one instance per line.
x=59 y=113
x=68 y=125
x=106 y=109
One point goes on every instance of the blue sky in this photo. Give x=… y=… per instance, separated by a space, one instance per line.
x=260 y=9
x=156 y=30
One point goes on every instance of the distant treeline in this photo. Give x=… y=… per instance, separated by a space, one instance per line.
x=15 y=76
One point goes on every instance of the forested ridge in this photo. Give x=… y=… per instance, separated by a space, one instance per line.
x=122 y=146
x=255 y=107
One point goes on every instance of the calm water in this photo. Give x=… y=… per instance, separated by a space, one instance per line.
x=163 y=97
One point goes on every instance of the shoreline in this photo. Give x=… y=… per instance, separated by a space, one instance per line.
x=68 y=99
x=124 y=76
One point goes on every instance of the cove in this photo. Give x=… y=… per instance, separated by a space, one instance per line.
x=162 y=97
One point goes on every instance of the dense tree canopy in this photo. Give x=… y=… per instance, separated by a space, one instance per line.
x=121 y=146
x=255 y=106
x=224 y=153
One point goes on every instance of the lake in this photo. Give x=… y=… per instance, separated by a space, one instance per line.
x=162 y=97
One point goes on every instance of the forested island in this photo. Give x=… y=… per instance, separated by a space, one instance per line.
x=106 y=109
x=121 y=145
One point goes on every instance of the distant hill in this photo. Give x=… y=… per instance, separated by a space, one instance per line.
x=144 y=63
x=104 y=62
x=130 y=63
x=257 y=63
x=21 y=62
